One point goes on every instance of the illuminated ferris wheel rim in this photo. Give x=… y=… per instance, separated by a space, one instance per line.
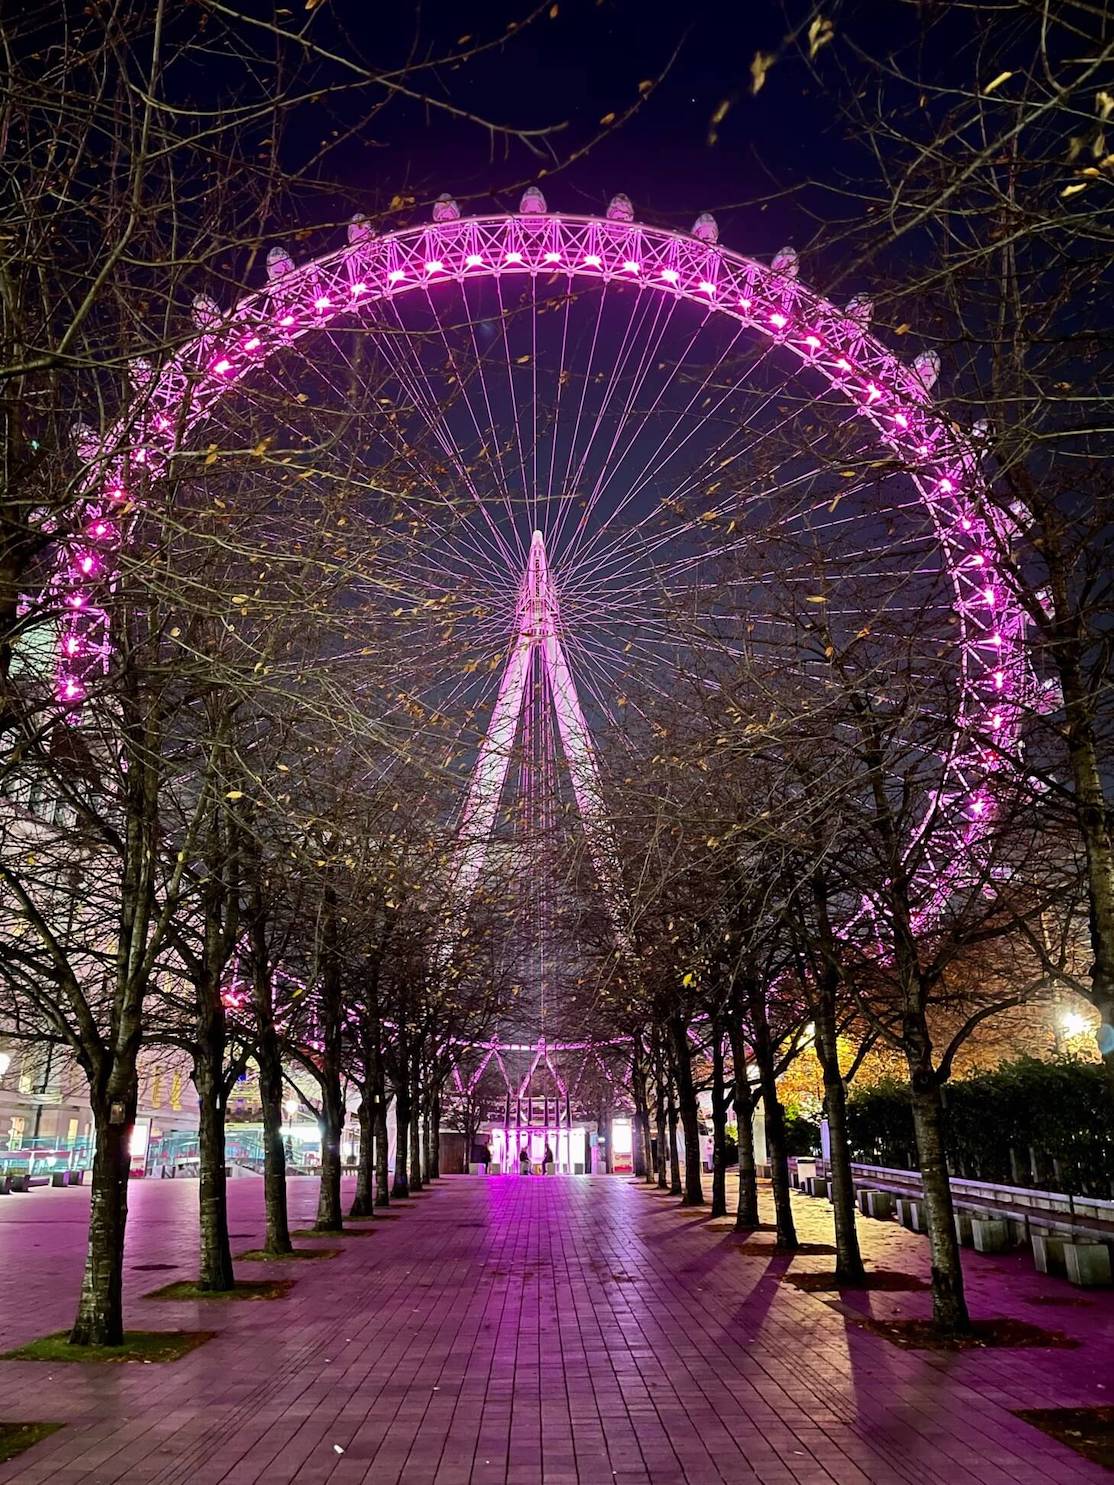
x=342 y=287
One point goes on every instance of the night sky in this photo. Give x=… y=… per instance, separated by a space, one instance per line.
x=574 y=69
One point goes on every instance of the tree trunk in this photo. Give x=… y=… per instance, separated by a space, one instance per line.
x=675 y=1187
x=363 y=1202
x=849 y=1261
x=689 y=1111
x=382 y=1152
x=435 y=1136
x=330 y=1217
x=100 y=1309
x=416 y=1181
x=216 y=1249
x=949 y=1307
x=746 y=1208
x=274 y=1150
x=659 y=1121
x=719 y=1128
x=775 y=1117
x=401 y=1187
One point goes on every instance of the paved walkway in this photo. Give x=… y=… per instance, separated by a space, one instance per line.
x=532 y=1332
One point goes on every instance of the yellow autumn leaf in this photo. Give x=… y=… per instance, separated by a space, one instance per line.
x=234 y=794
x=997 y=82
x=761 y=64
x=816 y=598
x=1071 y=190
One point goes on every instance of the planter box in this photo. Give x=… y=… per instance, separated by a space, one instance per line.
x=880 y=1204
x=1048 y=1254
x=909 y=1214
x=990 y=1234
x=1088 y=1264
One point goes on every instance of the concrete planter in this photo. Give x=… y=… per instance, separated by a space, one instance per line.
x=880 y=1204
x=909 y=1213
x=990 y=1234
x=1048 y=1254
x=1088 y=1264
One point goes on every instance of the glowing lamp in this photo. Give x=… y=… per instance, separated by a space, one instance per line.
x=1073 y=1023
x=223 y=366
x=996 y=641
x=978 y=559
x=473 y=260
x=707 y=287
x=434 y=266
x=395 y=276
x=978 y=806
x=999 y=679
x=72 y=644
x=744 y=303
x=252 y=343
x=358 y=289
x=286 y=321
x=553 y=257
x=945 y=486
x=77 y=600
x=514 y=256
x=321 y=302
x=670 y=275
x=630 y=266
x=813 y=342
x=86 y=564
x=843 y=364
x=901 y=420
x=592 y=260
x=989 y=595
x=872 y=393
x=778 y=320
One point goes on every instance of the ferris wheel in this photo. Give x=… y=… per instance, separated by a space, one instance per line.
x=585 y=454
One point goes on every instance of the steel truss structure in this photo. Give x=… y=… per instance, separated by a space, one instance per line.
x=354 y=283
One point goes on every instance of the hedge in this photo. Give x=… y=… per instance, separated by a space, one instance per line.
x=1025 y=1123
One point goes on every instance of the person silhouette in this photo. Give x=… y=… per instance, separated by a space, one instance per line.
x=547 y=1160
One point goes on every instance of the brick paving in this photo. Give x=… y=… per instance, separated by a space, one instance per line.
x=533 y=1332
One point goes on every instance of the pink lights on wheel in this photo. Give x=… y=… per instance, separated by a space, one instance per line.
x=357 y=289
x=813 y=342
x=473 y=260
x=252 y=343
x=322 y=302
x=286 y=321
x=778 y=320
x=514 y=256
x=552 y=257
x=592 y=260
x=223 y=366
x=630 y=266
x=395 y=276
x=435 y=265
x=670 y=275
x=707 y=287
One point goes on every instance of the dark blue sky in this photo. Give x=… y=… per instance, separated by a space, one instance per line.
x=585 y=63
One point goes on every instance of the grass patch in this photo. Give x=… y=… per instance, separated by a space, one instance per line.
x=922 y=1335
x=260 y=1255
x=1089 y=1431
x=243 y=1289
x=15 y=1437
x=138 y=1345
x=333 y=1232
x=883 y=1280
x=773 y=1250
